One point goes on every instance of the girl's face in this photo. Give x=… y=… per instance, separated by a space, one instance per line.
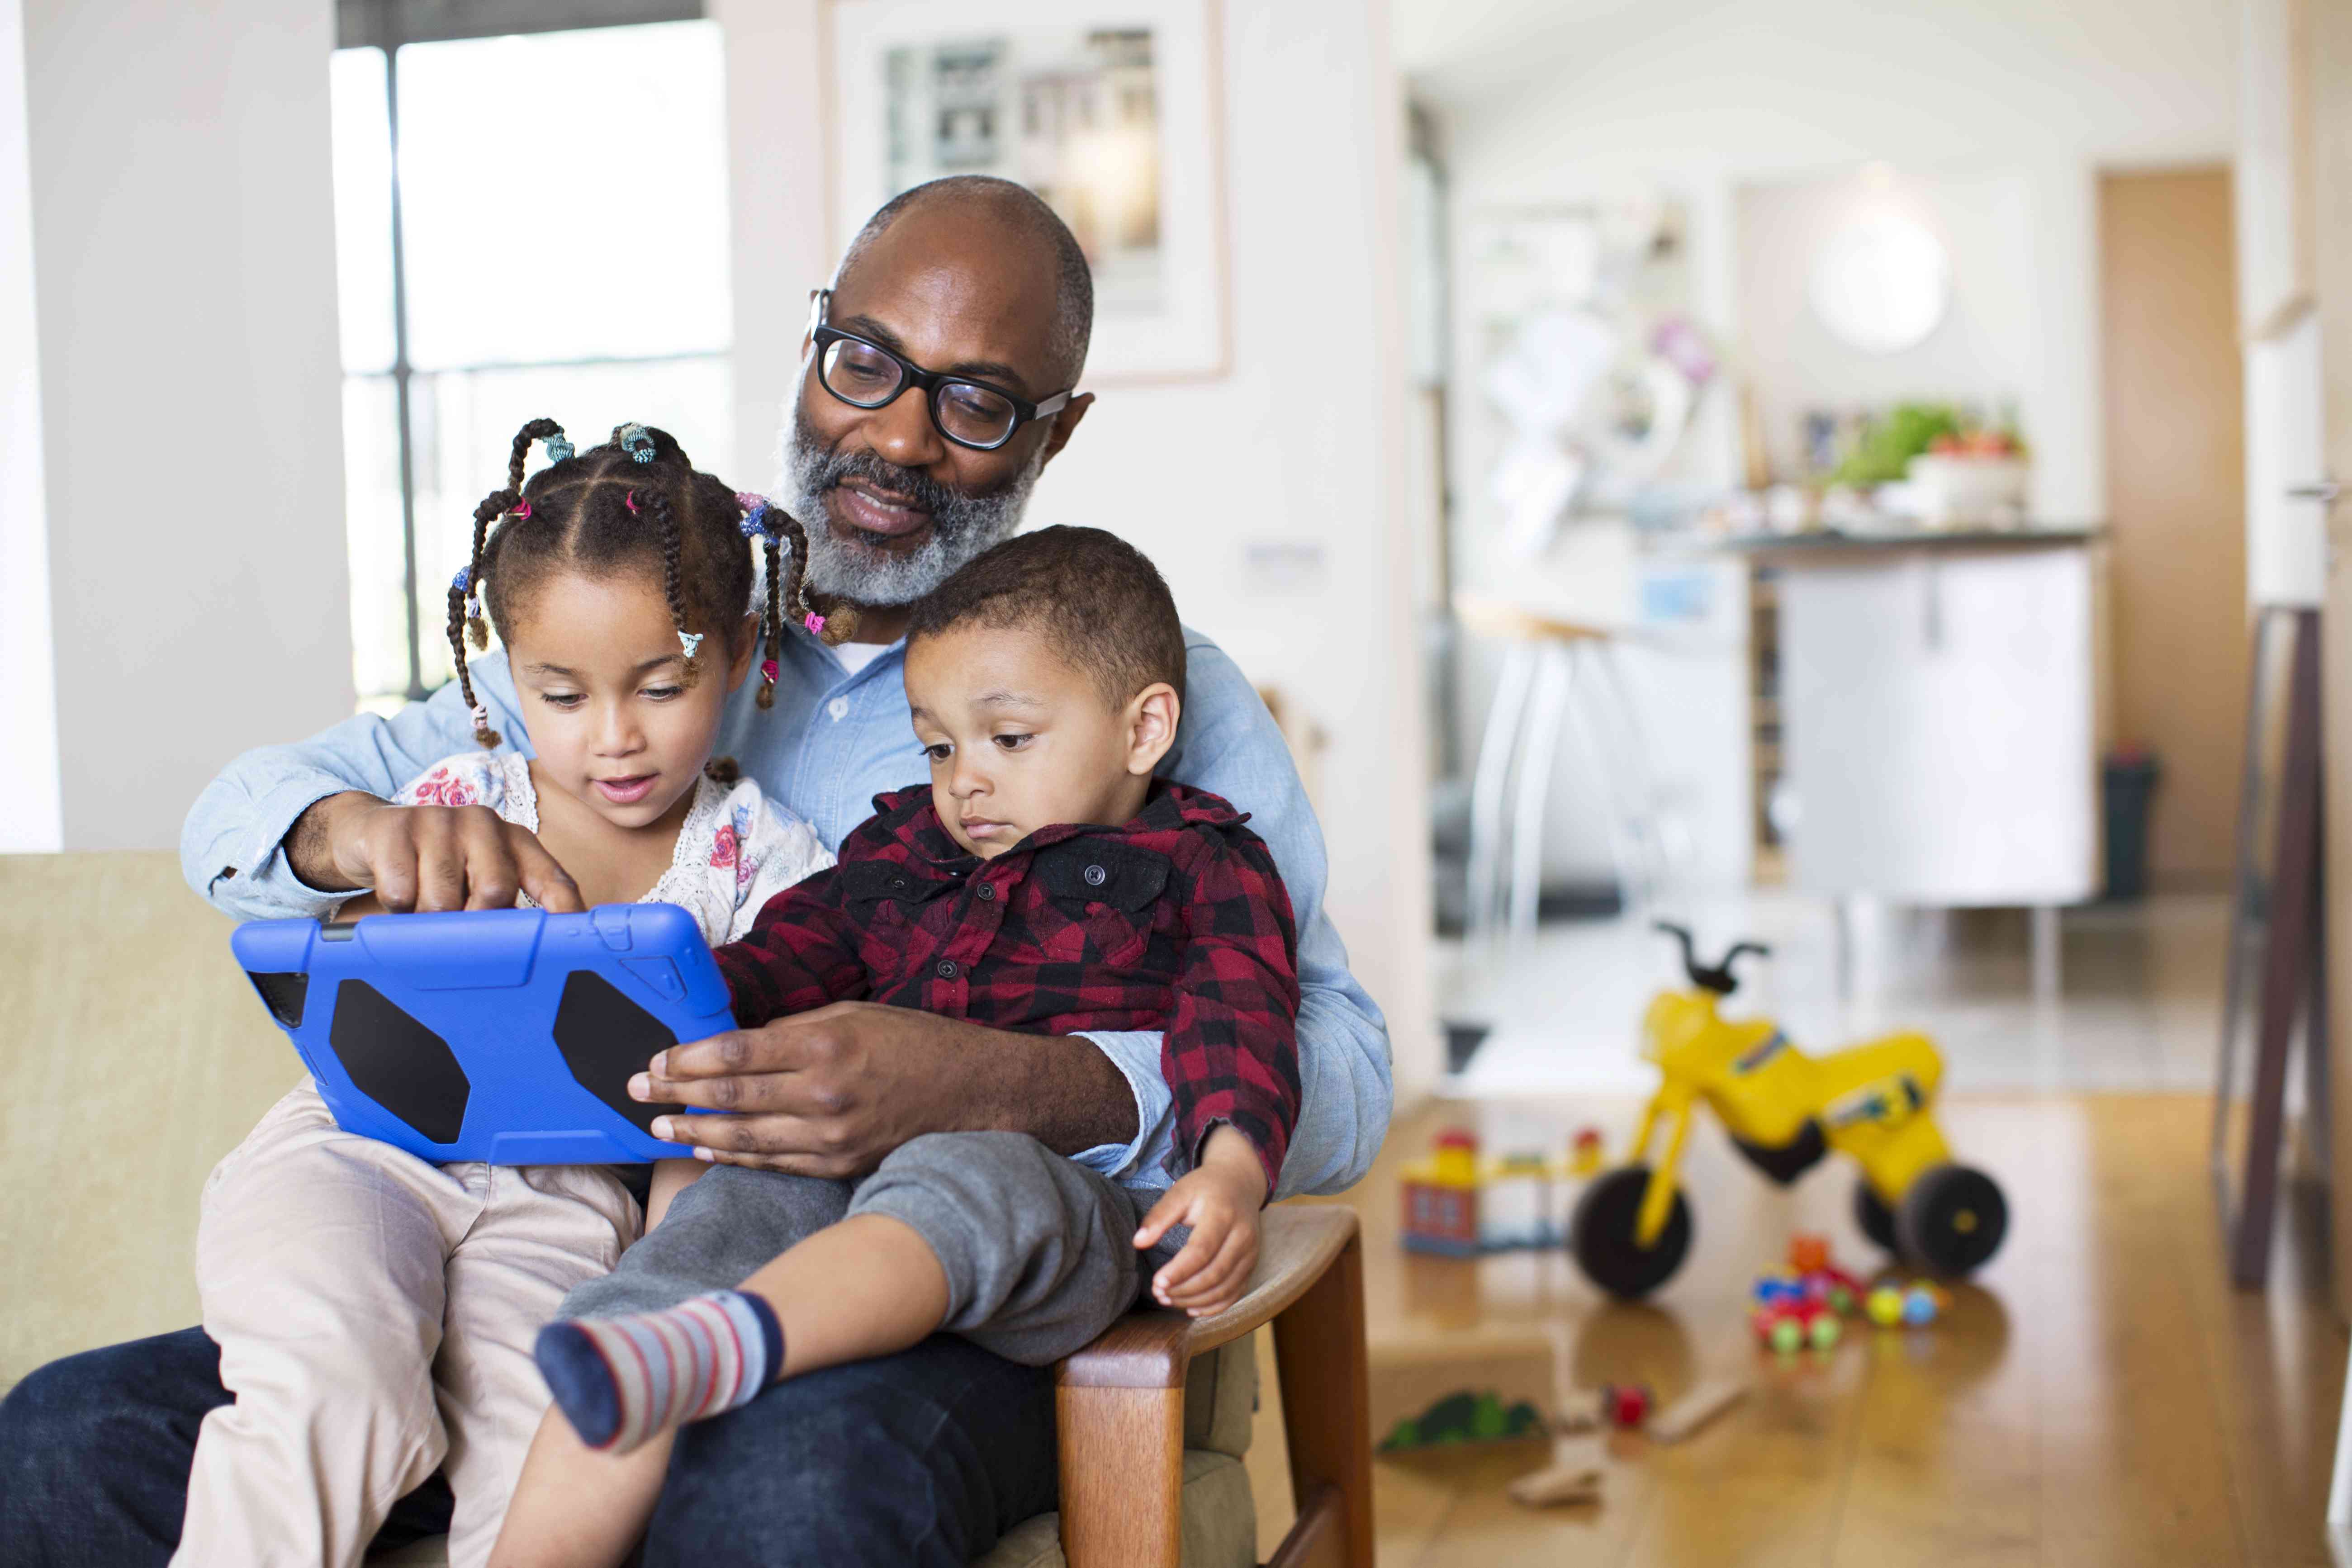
x=603 y=685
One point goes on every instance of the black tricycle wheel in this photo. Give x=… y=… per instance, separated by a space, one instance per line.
x=1871 y=1213
x=1951 y=1220
x=1601 y=1233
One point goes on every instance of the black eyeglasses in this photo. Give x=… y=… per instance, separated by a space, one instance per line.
x=864 y=374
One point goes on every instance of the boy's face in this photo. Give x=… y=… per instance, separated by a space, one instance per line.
x=602 y=683
x=1018 y=739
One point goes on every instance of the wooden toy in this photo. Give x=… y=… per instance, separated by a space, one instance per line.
x=1788 y=1324
x=1923 y=1304
x=1575 y=1475
x=1785 y=1112
x=1695 y=1409
x=1441 y=1197
x=1626 y=1406
x=1459 y=1205
x=1465 y=1417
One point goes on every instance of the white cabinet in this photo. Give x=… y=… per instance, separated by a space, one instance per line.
x=1940 y=713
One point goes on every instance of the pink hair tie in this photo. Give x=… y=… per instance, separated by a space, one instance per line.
x=631 y=499
x=768 y=670
x=524 y=510
x=814 y=622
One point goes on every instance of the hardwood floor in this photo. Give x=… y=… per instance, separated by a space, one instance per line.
x=2098 y=1396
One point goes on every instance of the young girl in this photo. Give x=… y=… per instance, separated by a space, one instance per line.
x=375 y=1313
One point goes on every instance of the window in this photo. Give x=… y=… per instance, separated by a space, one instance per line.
x=528 y=224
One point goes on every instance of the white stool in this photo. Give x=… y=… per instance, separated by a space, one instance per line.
x=1556 y=674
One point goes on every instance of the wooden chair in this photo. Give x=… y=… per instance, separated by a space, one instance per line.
x=1120 y=1403
x=1121 y=1406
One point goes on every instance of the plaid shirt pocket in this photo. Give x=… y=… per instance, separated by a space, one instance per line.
x=1100 y=900
x=885 y=900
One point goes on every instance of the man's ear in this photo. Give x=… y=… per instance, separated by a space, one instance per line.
x=1064 y=423
x=1153 y=716
x=739 y=663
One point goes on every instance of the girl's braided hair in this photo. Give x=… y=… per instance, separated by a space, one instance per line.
x=635 y=502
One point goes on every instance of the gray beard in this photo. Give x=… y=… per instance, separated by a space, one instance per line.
x=963 y=526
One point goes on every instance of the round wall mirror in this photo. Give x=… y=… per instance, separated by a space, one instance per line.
x=1882 y=283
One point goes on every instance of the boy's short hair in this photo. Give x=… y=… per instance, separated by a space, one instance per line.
x=1095 y=599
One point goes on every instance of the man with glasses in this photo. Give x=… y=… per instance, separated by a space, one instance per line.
x=938 y=382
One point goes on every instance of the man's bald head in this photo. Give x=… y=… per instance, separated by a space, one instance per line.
x=1017 y=212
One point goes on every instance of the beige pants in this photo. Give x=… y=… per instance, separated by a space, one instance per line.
x=375 y=1315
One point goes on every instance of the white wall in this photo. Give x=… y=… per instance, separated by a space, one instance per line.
x=2016 y=103
x=189 y=394
x=29 y=817
x=1294 y=447
x=1985 y=350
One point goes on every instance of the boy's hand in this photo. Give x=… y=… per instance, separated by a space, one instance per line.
x=1220 y=1200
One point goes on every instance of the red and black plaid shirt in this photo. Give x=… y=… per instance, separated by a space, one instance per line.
x=1177 y=922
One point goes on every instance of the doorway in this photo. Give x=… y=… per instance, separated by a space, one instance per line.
x=2175 y=445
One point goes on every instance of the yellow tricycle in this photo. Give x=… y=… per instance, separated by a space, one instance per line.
x=1784 y=1110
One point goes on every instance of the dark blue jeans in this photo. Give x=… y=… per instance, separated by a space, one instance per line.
x=922 y=1458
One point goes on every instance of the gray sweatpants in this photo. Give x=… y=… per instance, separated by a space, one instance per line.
x=1038 y=1249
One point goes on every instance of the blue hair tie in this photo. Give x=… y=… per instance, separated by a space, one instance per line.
x=559 y=450
x=638 y=444
x=755 y=511
x=463 y=580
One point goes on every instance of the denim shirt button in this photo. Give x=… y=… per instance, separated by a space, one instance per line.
x=838 y=708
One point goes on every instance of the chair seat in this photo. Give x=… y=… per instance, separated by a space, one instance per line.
x=1220 y=1523
x=1220 y=1527
x=1220 y=1513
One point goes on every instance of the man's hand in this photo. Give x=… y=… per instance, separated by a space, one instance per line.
x=1220 y=1199
x=424 y=857
x=830 y=1092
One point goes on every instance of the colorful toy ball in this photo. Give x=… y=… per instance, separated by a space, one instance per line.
x=1922 y=1305
x=1626 y=1406
x=1809 y=1253
x=1885 y=1306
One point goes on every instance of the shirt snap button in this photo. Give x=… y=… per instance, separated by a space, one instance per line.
x=947 y=969
x=1097 y=876
x=838 y=708
x=988 y=889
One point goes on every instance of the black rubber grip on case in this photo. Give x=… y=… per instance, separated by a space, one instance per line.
x=398 y=1062
x=606 y=1039
x=283 y=995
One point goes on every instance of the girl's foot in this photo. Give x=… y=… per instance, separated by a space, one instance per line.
x=619 y=1381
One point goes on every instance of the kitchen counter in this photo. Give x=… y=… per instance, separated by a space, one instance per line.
x=1939 y=695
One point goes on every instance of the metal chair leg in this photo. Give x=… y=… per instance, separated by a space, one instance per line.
x=1554 y=674
x=1489 y=785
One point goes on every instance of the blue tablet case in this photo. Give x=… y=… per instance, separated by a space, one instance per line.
x=500 y=1034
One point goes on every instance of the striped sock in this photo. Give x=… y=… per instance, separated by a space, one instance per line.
x=621 y=1380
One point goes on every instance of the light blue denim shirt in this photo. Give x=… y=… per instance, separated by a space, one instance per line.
x=833 y=741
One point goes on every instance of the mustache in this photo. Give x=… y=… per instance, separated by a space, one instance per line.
x=943 y=504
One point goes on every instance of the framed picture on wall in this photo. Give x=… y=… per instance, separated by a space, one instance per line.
x=1108 y=109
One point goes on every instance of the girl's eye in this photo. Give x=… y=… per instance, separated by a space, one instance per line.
x=662 y=693
x=1014 y=742
x=566 y=701
x=939 y=752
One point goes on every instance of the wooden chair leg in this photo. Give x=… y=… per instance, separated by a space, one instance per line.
x=1122 y=1468
x=1318 y=1346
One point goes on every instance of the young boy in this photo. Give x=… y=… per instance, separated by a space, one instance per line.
x=1044 y=881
